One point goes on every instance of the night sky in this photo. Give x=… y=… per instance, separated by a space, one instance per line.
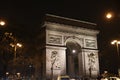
x=23 y=18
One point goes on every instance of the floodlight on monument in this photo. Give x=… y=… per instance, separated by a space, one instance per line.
x=73 y=51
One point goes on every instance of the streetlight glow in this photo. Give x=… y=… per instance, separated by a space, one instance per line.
x=118 y=42
x=7 y=73
x=109 y=15
x=2 y=23
x=16 y=45
x=19 y=45
x=113 y=42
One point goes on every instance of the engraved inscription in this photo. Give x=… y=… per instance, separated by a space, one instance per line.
x=56 y=39
x=90 y=43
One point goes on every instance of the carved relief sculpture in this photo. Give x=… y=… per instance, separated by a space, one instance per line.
x=91 y=62
x=54 y=62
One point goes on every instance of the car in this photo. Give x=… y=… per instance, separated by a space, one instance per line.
x=113 y=78
x=104 y=78
x=65 y=77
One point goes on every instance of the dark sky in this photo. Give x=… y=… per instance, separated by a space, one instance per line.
x=26 y=14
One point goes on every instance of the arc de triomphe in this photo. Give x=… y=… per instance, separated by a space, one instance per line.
x=68 y=47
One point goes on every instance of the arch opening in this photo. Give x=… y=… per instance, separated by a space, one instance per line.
x=72 y=58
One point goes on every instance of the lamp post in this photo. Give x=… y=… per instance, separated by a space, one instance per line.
x=15 y=46
x=116 y=42
x=2 y=25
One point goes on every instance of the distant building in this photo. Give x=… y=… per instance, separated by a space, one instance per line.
x=68 y=47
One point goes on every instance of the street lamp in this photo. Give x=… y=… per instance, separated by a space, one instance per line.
x=15 y=46
x=116 y=42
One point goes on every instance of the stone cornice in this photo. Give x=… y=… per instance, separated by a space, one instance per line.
x=70 y=28
x=69 y=21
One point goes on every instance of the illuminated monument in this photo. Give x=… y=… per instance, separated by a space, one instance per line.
x=68 y=47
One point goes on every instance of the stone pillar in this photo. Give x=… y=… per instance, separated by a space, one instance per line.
x=55 y=61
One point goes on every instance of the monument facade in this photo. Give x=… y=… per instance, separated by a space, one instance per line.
x=68 y=47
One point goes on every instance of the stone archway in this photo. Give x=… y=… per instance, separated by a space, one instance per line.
x=66 y=36
x=72 y=58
